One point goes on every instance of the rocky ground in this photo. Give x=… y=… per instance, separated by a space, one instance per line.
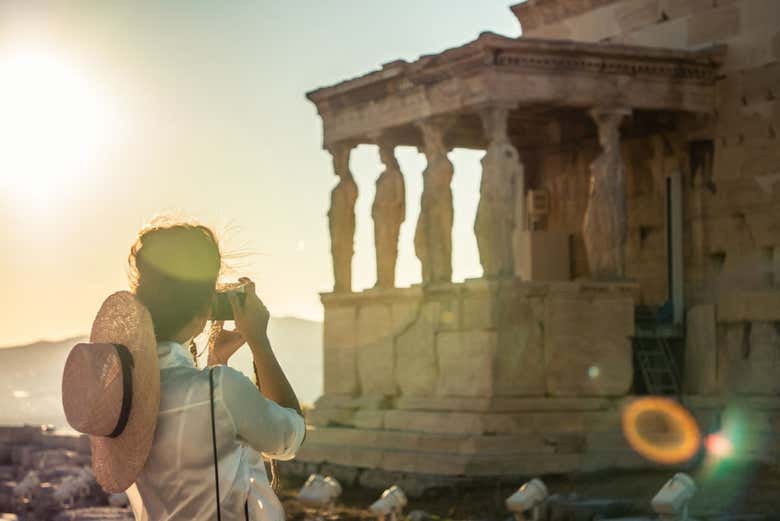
x=736 y=491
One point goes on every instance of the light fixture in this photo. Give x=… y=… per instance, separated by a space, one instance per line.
x=390 y=504
x=671 y=502
x=319 y=491
x=26 y=488
x=529 y=497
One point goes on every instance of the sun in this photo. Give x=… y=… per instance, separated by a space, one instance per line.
x=55 y=122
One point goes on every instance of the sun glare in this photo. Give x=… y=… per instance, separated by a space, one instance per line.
x=54 y=123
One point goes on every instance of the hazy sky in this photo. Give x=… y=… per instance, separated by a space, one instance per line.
x=113 y=111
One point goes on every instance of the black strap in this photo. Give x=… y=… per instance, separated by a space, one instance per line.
x=214 y=447
x=127 y=363
x=214 y=439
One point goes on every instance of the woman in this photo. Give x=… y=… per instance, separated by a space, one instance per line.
x=174 y=269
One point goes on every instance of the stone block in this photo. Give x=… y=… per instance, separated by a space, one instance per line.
x=519 y=362
x=376 y=367
x=636 y=14
x=339 y=351
x=764 y=228
x=374 y=323
x=681 y=8
x=367 y=419
x=340 y=326
x=465 y=360
x=714 y=26
x=416 y=369
x=701 y=362
x=320 y=417
x=404 y=314
x=479 y=310
x=444 y=312
x=580 y=365
x=765 y=357
x=738 y=306
x=607 y=317
x=435 y=422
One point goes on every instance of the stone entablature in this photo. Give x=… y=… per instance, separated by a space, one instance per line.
x=495 y=69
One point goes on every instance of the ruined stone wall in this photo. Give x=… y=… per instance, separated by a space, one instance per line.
x=732 y=194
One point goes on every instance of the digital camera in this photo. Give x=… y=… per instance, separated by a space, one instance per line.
x=220 y=307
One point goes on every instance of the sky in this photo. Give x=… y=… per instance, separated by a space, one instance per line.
x=112 y=112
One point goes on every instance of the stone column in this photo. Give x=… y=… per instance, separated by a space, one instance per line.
x=500 y=192
x=433 y=236
x=388 y=212
x=605 y=224
x=341 y=218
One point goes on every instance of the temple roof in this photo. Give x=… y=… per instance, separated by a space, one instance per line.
x=517 y=72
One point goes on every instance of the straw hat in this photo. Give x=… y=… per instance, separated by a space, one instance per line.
x=111 y=390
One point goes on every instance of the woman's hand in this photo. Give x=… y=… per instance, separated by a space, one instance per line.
x=224 y=345
x=252 y=316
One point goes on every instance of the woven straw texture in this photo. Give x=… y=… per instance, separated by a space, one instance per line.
x=122 y=319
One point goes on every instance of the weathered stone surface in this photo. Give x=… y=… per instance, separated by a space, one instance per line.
x=765 y=357
x=374 y=323
x=519 y=361
x=738 y=306
x=713 y=26
x=701 y=361
x=416 y=369
x=376 y=367
x=322 y=417
x=466 y=362
x=339 y=350
x=369 y=419
x=479 y=310
x=588 y=366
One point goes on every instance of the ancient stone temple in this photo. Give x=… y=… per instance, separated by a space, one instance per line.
x=628 y=228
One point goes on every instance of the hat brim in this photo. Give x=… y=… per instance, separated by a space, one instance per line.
x=122 y=319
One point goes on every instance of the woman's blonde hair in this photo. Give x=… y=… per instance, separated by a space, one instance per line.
x=173 y=267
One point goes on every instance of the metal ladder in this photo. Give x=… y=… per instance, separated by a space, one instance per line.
x=653 y=356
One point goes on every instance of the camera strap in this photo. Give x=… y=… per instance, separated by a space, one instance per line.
x=214 y=447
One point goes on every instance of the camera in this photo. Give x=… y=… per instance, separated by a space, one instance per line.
x=220 y=307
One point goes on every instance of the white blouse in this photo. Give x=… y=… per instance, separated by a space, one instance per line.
x=177 y=482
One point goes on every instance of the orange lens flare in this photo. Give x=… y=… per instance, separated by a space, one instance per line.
x=661 y=430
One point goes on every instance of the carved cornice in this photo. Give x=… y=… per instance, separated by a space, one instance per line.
x=496 y=69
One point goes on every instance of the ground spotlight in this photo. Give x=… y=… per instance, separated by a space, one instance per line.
x=390 y=504
x=671 y=502
x=319 y=491
x=528 y=498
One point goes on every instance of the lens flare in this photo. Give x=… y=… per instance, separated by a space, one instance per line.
x=661 y=430
x=718 y=445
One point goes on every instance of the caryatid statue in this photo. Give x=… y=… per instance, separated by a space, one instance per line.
x=605 y=225
x=433 y=235
x=341 y=219
x=388 y=212
x=502 y=179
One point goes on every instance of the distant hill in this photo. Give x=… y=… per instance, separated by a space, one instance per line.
x=30 y=375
